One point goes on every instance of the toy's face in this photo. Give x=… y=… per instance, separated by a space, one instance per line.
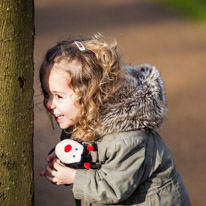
x=69 y=151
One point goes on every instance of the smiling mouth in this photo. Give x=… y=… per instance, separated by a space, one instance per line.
x=58 y=117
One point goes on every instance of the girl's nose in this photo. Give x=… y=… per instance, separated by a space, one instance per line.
x=49 y=104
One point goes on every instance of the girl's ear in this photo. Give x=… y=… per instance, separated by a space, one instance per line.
x=73 y=96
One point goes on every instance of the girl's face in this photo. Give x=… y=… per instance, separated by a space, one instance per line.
x=59 y=99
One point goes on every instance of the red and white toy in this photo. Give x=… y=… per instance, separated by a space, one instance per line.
x=75 y=154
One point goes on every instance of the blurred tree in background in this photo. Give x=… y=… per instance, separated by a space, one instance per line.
x=195 y=9
x=16 y=102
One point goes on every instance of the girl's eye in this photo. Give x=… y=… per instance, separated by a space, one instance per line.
x=58 y=96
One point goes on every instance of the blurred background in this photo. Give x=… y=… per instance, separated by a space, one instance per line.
x=170 y=34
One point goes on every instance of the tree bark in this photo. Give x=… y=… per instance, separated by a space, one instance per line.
x=16 y=102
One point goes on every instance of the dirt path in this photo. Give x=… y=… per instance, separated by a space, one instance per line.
x=145 y=33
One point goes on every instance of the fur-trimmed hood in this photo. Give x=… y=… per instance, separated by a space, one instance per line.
x=139 y=104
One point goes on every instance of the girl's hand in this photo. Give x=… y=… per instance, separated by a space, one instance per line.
x=59 y=173
x=49 y=160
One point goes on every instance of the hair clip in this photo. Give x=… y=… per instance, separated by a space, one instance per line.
x=80 y=45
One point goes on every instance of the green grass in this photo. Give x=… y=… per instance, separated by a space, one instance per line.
x=194 y=9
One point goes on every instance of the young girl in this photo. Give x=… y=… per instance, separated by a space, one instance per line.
x=120 y=108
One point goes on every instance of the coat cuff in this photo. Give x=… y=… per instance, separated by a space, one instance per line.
x=80 y=183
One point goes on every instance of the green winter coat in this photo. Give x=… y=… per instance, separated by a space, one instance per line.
x=136 y=167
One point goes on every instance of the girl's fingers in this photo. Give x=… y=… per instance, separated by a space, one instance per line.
x=51 y=157
x=50 y=165
x=51 y=179
x=43 y=173
x=50 y=171
x=57 y=166
x=58 y=161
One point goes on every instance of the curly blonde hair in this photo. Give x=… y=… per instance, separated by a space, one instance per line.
x=94 y=82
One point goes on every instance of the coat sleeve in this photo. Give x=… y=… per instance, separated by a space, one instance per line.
x=118 y=176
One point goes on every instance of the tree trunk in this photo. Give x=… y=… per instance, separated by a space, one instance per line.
x=16 y=102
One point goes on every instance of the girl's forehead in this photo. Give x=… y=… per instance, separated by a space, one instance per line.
x=53 y=72
x=68 y=66
x=62 y=69
x=55 y=80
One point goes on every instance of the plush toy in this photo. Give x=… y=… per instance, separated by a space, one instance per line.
x=76 y=155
